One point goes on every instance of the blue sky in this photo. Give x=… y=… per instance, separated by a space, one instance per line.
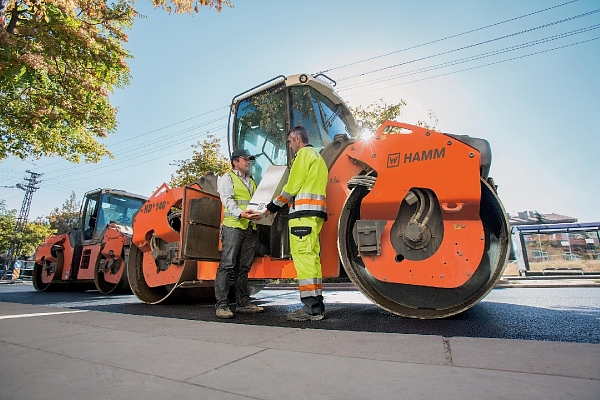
x=540 y=112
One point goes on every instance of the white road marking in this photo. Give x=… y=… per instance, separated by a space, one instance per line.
x=40 y=314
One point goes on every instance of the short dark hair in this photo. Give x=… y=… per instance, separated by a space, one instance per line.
x=300 y=131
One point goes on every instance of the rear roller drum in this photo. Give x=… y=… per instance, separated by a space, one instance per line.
x=420 y=301
x=111 y=278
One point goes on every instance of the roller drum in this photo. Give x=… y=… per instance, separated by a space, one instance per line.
x=429 y=302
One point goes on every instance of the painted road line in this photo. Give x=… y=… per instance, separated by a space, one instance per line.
x=40 y=314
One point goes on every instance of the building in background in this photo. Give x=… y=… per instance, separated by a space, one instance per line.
x=536 y=218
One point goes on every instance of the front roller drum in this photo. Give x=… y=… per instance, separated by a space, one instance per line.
x=167 y=294
x=420 y=301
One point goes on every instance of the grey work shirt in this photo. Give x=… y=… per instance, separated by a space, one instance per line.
x=225 y=187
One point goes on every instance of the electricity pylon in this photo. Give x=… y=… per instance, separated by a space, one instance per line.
x=29 y=186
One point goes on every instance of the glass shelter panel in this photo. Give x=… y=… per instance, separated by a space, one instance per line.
x=562 y=250
x=260 y=129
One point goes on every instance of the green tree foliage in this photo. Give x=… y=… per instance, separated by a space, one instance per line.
x=432 y=124
x=8 y=222
x=372 y=116
x=64 y=219
x=59 y=60
x=33 y=234
x=206 y=159
x=58 y=65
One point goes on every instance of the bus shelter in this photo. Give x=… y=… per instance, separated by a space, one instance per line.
x=557 y=248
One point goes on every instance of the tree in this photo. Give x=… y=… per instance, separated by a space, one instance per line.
x=34 y=233
x=187 y=6
x=8 y=223
x=62 y=220
x=207 y=159
x=29 y=239
x=372 y=116
x=432 y=124
x=59 y=60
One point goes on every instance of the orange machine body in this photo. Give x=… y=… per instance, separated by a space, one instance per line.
x=422 y=158
x=75 y=268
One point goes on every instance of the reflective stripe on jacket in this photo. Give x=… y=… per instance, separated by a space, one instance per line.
x=305 y=190
x=242 y=196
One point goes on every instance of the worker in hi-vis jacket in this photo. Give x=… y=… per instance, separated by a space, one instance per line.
x=238 y=235
x=305 y=192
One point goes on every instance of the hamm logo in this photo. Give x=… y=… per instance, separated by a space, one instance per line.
x=393 y=160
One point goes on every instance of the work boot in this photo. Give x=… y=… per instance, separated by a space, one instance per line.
x=248 y=308
x=224 y=312
x=301 y=315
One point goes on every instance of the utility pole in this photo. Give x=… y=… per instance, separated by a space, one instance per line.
x=29 y=186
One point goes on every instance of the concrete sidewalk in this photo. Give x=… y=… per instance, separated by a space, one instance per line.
x=51 y=353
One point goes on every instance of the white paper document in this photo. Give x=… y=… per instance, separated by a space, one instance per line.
x=270 y=186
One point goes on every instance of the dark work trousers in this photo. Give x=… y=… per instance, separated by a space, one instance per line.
x=236 y=259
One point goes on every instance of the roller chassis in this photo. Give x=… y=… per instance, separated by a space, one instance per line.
x=413 y=216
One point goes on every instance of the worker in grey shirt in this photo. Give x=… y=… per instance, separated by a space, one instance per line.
x=238 y=235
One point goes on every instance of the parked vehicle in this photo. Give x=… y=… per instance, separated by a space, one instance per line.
x=93 y=255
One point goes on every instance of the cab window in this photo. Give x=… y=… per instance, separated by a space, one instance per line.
x=260 y=129
x=317 y=114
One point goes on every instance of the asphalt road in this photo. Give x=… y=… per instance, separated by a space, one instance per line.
x=548 y=314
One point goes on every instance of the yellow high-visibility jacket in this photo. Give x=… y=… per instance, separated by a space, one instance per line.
x=242 y=196
x=305 y=190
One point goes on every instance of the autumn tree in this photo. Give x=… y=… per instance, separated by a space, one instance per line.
x=207 y=158
x=64 y=219
x=59 y=61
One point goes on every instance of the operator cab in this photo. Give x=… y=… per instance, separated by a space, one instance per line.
x=104 y=206
x=262 y=116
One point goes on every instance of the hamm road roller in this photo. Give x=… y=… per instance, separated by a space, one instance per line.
x=413 y=216
x=94 y=254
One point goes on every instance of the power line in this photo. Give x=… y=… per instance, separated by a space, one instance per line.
x=131 y=156
x=132 y=165
x=158 y=129
x=29 y=186
x=471 y=58
x=472 y=45
x=481 y=66
x=447 y=37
